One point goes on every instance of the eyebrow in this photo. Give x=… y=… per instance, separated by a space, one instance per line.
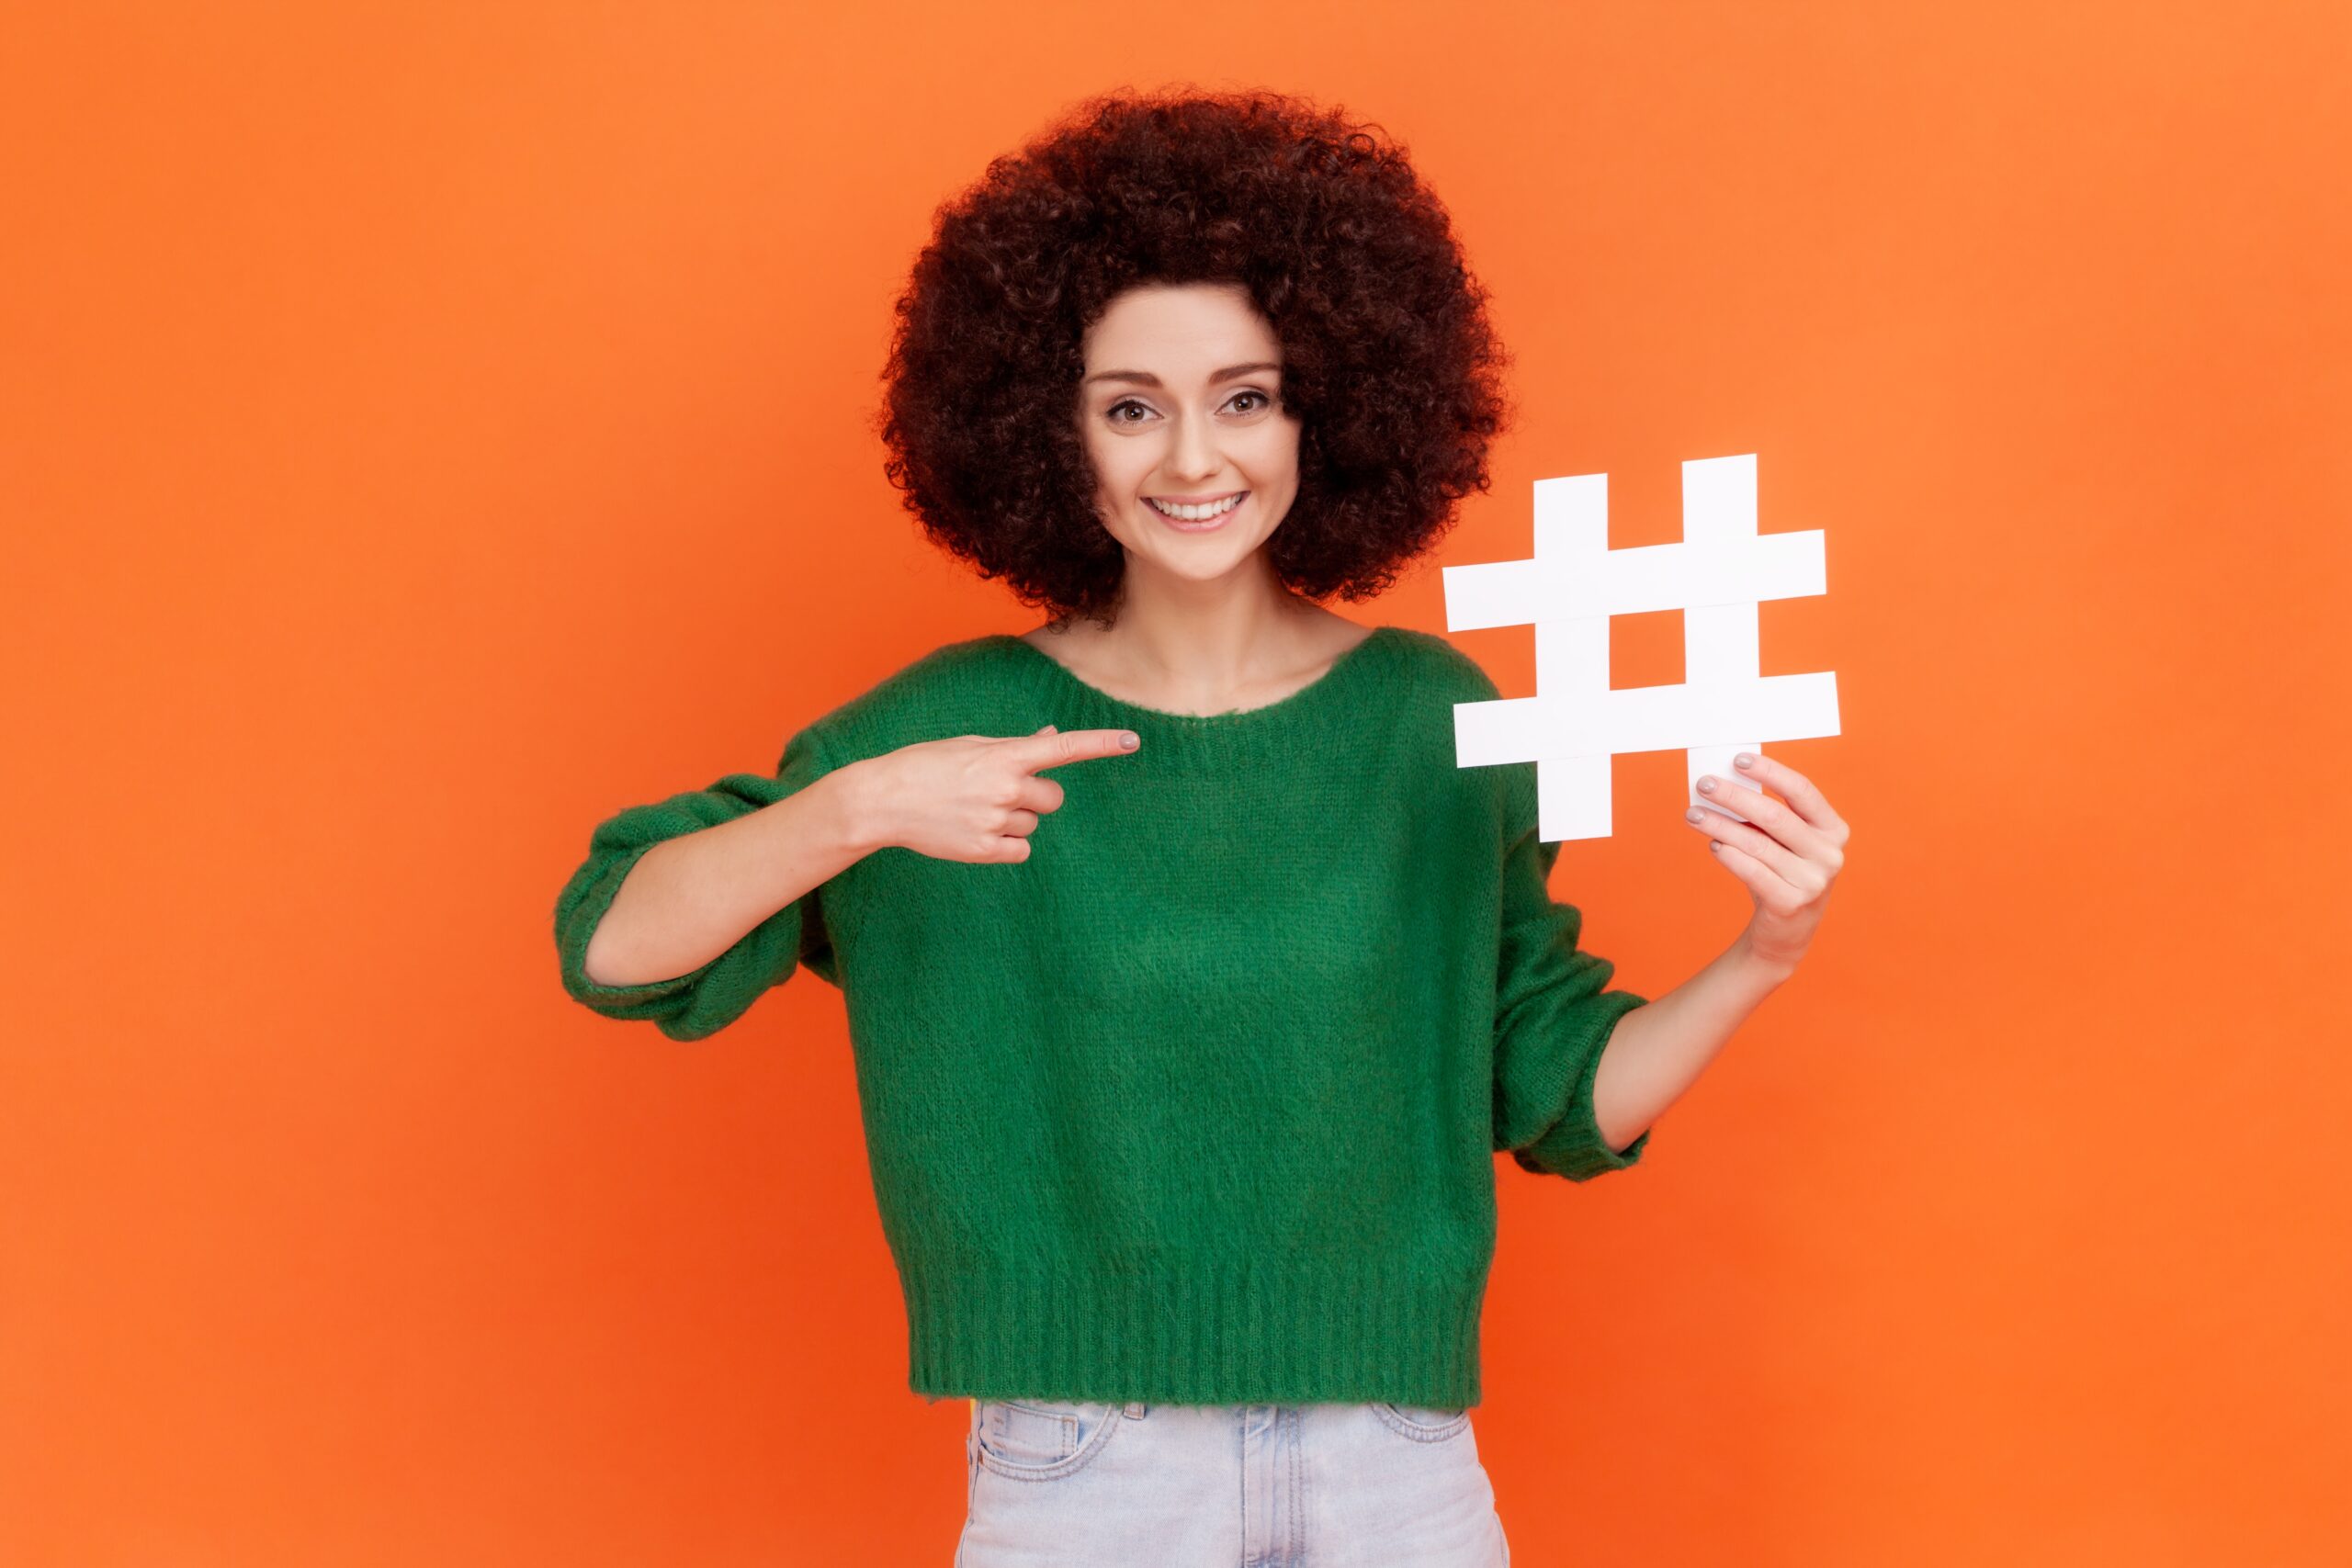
x=1144 y=378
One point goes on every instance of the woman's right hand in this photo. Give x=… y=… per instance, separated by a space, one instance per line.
x=974 y=798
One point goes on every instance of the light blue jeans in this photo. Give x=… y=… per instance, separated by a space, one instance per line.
x=1054 y=1483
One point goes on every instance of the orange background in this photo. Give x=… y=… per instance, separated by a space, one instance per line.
x=431 y=429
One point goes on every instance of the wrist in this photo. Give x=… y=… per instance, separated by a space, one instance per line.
x=854 y=797
x=1766 y=967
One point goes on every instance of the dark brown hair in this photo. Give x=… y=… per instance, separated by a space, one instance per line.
x=1390 y=363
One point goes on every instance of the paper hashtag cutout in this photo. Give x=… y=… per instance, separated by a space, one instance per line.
x=1716 y=577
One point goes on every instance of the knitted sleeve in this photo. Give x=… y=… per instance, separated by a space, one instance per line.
x=1553 y=1017
x=702 y=1001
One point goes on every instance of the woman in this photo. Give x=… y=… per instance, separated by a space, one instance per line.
x=1183 y=1070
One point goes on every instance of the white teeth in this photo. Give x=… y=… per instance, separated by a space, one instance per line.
x=1194 y=513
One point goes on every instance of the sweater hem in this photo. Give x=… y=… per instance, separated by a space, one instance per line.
x=1252 y=1329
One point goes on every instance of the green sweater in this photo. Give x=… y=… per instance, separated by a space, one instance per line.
x=1199 y=1104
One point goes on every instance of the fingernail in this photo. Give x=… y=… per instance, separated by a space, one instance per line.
x=1706 y=787
x=1127 y=740
x=1744 y=760
x=1695 y=815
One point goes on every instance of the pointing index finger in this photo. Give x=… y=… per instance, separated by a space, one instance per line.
x=1055 y=747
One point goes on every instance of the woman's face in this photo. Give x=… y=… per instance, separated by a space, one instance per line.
x=1182 y=403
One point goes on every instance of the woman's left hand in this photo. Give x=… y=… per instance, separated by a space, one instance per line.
x=1789 y=851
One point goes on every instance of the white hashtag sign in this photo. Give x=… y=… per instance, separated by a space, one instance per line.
x=1716 y=577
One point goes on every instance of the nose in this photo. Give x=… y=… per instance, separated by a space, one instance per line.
x=1192 y=455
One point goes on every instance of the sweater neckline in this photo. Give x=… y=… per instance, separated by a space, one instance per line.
x=1331 y=683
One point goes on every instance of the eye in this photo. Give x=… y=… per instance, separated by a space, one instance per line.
x=1111 y=414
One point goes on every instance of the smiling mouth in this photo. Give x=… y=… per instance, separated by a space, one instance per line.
x=1206 y=511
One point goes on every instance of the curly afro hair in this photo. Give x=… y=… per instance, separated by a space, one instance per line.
x=1389 y=362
